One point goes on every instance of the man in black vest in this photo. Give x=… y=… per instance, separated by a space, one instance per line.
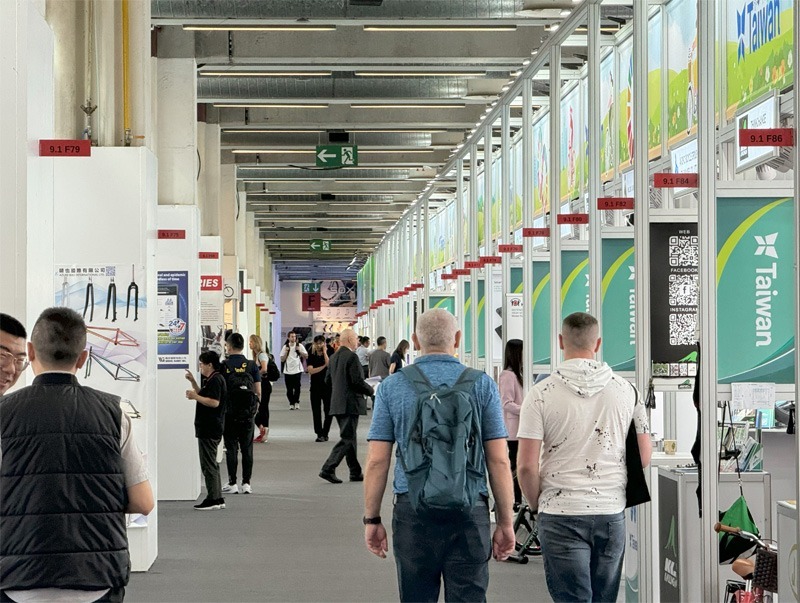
x=69 y=472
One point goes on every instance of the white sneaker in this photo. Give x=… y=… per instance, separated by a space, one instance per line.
x=246 y=489
x=230 y=489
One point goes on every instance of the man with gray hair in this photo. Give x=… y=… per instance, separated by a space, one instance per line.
x=572 y=465
x=68 y=455
x=431 y=548
x=348 y=402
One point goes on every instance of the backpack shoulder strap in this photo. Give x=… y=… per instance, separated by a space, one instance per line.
x=417 y=378
x=467 y=380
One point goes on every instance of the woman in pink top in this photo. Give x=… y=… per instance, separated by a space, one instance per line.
x=511 y=396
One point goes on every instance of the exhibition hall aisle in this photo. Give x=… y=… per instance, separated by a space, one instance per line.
x=296 y=538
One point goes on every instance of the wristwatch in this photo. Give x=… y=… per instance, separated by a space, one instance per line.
x=372 y=521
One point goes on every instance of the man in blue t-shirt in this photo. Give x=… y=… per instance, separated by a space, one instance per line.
x=427 y=551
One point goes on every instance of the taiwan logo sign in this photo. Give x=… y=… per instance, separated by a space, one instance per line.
x=757 y=23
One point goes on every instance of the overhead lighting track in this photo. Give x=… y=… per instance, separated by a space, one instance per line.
x=256 y=27
x=264 y=73
x=408 y=105
x=441 y=28
x=420 y=74
x=361 y=151
x=271 y=105
x=269 y=131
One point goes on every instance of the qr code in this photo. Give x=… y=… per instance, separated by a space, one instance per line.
x=682 y=328
x=683 y=289
x=111 y=271
x=683 y=251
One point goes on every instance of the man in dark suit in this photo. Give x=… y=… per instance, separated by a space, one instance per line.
x=348 y=401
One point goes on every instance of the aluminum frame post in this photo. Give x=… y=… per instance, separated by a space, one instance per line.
x=459 y=259
x=707 y=230
x=595 y=240
x=419 y=273
x=488 y=270
x=797 y=281
x=473 y=251
x=555 y=205
x=527 y=242
x=426 y=250
x=506 y=201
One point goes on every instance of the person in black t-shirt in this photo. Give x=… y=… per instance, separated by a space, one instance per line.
x=208 y=425
x=398 y=357
x=320 y=392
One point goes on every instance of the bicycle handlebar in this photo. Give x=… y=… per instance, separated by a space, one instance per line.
x=720 y=527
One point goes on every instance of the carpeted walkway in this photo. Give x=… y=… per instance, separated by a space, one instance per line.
x=296 y=538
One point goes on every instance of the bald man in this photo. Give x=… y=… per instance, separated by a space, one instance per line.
x=348 y=402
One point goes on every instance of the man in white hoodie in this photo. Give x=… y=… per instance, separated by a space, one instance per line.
x=571 y=465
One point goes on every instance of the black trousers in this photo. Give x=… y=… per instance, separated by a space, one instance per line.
x=262 y=417
x=209 y=467
x=320 y=407
x=293 y=388
x=239 y=434
x=513 y=446
x=345 y=448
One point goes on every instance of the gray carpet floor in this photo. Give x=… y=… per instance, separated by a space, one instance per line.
x=296 y=538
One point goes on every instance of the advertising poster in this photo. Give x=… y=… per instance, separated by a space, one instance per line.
x=446 y=302
x=606 y=116
x=584 y=91
x=338 y=293
x=514 y=316
x=668 y=568
x=450 y=244
x=212 y=312
x=674 y=289
x=115 y=319
x=516 y=177
x=762 y=115
x=625 y=103
x=540 y=308
x=496 y=194
x=655 y=37
x=541 y=165
x=468 y=307
x=684 y=161
x=480 y=183
x=516 y=280
x=758 y=53
x=755 y=289
x=173 y=319
x=619 y=304
x=682 y=69
x=571 y=157
x=574 y=282
x=497 y=304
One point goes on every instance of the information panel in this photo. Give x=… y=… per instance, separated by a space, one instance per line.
x=619 y=304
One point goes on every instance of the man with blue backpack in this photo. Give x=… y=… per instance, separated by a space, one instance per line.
x=243 y=381
x=447 y=421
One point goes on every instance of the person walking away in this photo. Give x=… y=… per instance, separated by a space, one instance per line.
x=363 y=353
x=577 y=420
x=69 y=472
x=348 y=402
x=13 y=359
x=262 y=358
x=510 y=385
x=243 y=380
x=379 y=360
x=441 y=530
x=398 y=356
x=292 y=356
x=209 y=419
x=320 y=391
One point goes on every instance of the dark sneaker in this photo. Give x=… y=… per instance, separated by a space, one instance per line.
x=320 y=439
x=208 y=505
x=330 y=477
x=357 y=478
x=221 y=503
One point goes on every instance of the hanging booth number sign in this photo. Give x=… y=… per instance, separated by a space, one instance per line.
x=65 y=148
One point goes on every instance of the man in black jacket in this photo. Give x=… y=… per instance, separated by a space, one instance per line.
x=347 y=403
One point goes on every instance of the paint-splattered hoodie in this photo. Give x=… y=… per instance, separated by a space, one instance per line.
x=582 y=413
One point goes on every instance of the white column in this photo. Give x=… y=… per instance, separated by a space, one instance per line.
x=555 y=204
x=473 y=251
x=595 y=240
x=527 y=222
x=506 y=203
x=459 y=255
x=707 y=229
x=426 y=251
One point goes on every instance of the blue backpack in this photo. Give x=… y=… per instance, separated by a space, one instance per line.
x=444 y=459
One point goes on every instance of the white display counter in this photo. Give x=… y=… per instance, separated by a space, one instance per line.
x=787 y=551
x=679 y=563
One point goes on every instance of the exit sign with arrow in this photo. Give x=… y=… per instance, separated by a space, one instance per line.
x=320 y=245
x=336 y=156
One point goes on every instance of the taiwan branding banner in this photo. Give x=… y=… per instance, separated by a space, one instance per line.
x=468 y=307
x=445 y=302
x=674 y=288
x=755 y=289
x=759 y=53
x=619 y=304
x=173 y=317
x=540 y=307
x=574 y=282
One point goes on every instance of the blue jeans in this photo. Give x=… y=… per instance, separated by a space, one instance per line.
x=428 y=551
x=582 y=556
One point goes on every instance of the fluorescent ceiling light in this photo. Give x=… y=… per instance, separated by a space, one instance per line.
x=273 y=151
x=396 y=151
x=420 y=73
x=254 y=27
x=267 y=131
x=400 y=131
x=445 y=28
x=264 y=73
x=272 y=105
x=408 y=106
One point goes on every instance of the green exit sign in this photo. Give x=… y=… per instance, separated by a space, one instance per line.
x=311 y=287
x=321 y=245
x=337 y=155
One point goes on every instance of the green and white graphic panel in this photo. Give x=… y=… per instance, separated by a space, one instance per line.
x=468 y=307
x=758 y=53
x=540 y=307
x=574 y=282
x=446 y=302
x=682 y=69
x=619 y=304
x=571 y=136
x=480 y=183
x=541 y=165
x=607 y=137
x=755 y=289
x=516 y=177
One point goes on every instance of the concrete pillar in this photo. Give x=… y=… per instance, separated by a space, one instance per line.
x=177 y=127
x=208 y=190
x=227 y=208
